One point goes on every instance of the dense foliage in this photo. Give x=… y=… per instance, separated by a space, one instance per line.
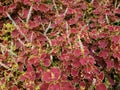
x=59 y=44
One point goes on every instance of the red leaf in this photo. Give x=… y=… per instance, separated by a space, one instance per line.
x=24 y=31
x=90 y=59
x=51 y=75
x=109 y=63
x=44 y=86
x=111 y=81
x=111 y=28
x=31 y=24
x=103 y=54
x=1 y=9
x=34 y=60
x=74 y=72
x=116 y=39
x=24 y=13
x=34 y=51
x=22 y=78
x=12 y=6
x=101 y=86
x=74 y=30
x=46 y=76
x=47 y=62
x=98 y=10
x=116 y=54
x=35 y=7
x=102 y=43
x=43 y=8
x=57 y=73
x=29 y=68
x=77 y=52
x=39 y=72
x=117 y=65
x=15 y=88
x=54 y=86
x=54 y=42
x=21 y=67
x=76 y=63
x=83 y=61
x=72 y=21
x=37 y=1
x=82 y=85
x=27 y=2
x=101 y=76
x=64 y=57
x=70 y=11
x=58 y=20
x=42 y=38
x=83 y=6
x=117 y=11
x=46 y=59
x=15 y=33
x=66 y=86
x=30 y=75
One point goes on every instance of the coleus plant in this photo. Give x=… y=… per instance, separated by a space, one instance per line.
x=59 y=45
